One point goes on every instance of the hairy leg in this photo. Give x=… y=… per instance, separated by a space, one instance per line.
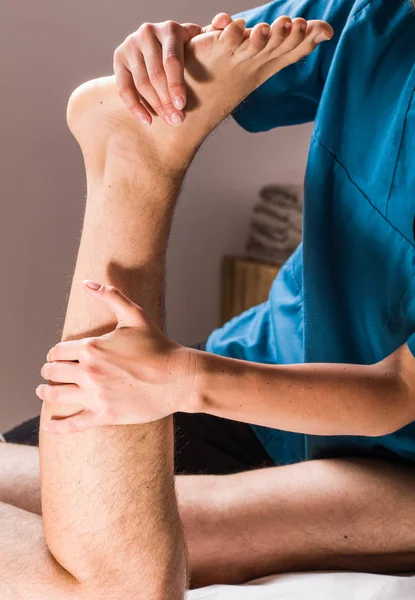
x=109 y=508
x=19 y=477
x=348 y=514
x=27 y=569
x=110 y=515
x=108 y=499
x=333 y=514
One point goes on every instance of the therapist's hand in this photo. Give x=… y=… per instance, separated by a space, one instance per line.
x=149 y=68
x=135 y=374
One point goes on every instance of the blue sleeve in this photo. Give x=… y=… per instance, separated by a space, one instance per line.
x=411 y=344
x=292 y=96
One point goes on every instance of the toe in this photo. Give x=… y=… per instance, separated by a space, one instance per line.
x=221 y=21
x=233 y=35
x=258 y=39
x=280 y=31
x=296 y=35
x=316 y=33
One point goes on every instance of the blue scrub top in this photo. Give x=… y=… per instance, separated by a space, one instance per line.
x=347 y=295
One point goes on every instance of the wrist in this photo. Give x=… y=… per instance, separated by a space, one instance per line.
x=191 y=395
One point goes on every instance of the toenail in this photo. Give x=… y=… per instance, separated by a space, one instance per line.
x=176 y=119
x=288 y=26
x=266 y=32
x=179 y=102
x=321 y=38
x=241 y=23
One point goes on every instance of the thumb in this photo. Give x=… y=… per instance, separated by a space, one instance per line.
x=127 y=312
x=190 y=30
x=82 y=421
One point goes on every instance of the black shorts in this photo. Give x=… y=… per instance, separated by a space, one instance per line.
x=203 y=444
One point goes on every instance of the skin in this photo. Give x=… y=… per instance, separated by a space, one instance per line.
x=149 y=67
x=253 y=64
x=110 y=522
x=136 y=374
x=308 y=516
x=318 y=514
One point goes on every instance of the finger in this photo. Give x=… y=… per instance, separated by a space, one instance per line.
x=62 y=372
x=60 y=394
x=190 y=30
x=155 y=60
x=173 y=60
x=76 y=424
x=143 y=85
x=129 y=95
x=127 y=312
x=66 y=351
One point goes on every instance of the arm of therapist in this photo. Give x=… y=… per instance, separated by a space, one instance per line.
x=136 y=374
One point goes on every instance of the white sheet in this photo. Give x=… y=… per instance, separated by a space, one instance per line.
x=315 y=586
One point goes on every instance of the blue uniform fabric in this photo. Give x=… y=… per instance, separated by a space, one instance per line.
x=347 y=295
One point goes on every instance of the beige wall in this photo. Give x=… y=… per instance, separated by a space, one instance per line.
x=46 y=49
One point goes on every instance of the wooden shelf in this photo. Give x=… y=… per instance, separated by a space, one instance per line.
x=245 y=283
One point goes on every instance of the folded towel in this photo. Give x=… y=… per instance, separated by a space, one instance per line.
x=276 y=224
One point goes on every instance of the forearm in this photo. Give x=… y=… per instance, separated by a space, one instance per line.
x=317 y=399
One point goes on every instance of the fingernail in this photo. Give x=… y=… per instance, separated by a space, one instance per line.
x=266 y=32
x=321 y=38
x=179 y=102
x=139 y=115
x=92 y=284
x=176 y=119
x=142 y=118
x=241 y=23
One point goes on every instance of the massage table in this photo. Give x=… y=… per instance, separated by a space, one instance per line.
x=315 y=586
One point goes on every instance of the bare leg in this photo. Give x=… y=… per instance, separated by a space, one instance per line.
x=349 y=514
x=109 y=507
x=28 y=570
x=110 y=514
x=354 y=514
x=19 y=477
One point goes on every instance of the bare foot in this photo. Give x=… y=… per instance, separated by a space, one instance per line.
x=222 y=68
